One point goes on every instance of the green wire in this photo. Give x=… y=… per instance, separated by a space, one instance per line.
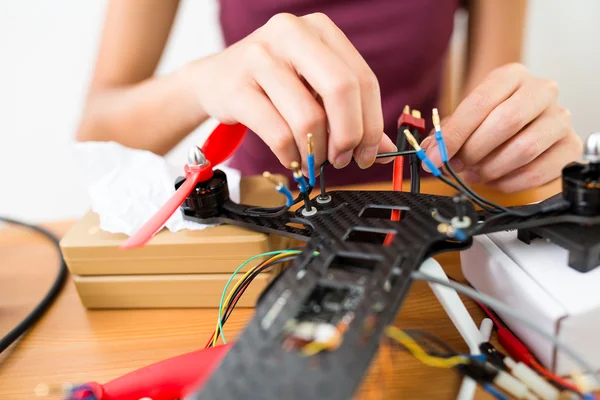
x=270 y=253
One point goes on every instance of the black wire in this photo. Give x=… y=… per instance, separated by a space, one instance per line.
x=470 y=191
x=415 y=176
x=380 y=155
x=418 y=335
x=50 y=296
x=464 y=193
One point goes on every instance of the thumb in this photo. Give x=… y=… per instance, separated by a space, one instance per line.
x=386 y=146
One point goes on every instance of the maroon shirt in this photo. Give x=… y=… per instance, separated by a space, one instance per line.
x=403 y=41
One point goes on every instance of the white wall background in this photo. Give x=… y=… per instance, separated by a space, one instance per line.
x=47 y=51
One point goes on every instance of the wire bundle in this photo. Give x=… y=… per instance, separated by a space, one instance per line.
x=227 y=304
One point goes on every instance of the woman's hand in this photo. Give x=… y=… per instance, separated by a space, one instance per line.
x=510 y=133
x=291 y=77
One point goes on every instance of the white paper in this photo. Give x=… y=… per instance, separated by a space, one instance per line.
x=127 y=186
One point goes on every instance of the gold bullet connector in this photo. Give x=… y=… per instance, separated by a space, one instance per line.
x=436 y=119
x=309 y=143
x=411 y=139
x=271 y=178
x=406 y=109
x=296 y=168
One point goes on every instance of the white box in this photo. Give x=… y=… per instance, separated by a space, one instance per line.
x=536 y=281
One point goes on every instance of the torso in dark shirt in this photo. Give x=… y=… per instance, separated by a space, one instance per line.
x=403 y=41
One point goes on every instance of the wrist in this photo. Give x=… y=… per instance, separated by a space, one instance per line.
x=188 y=81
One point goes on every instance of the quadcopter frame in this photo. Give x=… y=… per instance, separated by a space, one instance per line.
x=345 y=255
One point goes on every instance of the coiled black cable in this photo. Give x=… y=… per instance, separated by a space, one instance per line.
x=50 y=296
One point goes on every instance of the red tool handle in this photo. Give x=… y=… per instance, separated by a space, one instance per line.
x=170 y=379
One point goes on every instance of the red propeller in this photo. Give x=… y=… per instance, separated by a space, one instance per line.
x=218 y=147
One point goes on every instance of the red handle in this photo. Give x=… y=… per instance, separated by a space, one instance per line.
x=170 y=379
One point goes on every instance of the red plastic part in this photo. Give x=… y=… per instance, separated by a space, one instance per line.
x=218 y=147
x=223 y=142
x=412 y=122
x=194 y=175
x=397 y=178
x=170 y=379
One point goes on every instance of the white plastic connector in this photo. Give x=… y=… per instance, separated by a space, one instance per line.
x=324 y=333
x=536 y=383
x=513 y=386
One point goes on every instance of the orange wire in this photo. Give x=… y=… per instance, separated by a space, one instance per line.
x=563 y=382
x=397 y=179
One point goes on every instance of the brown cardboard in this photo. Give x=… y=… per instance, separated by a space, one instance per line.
x=90 y=251
x=163 y=291
x=175 y=269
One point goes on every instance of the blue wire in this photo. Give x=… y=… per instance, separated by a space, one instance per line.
x=312 y=179
x=588 y=396
x=423 y=157
x=288 y=195
x=460 y=235
x=442 y=146
x=492 y=390
x=301 y=183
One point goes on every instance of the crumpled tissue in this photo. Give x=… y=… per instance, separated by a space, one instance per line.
x=127 y=186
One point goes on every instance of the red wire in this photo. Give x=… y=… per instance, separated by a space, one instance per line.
x=397 y=179
x=519 y=351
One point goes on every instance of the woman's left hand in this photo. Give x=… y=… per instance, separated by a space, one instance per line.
x=510 y=133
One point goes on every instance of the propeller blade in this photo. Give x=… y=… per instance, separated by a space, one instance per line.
x=222 y=142
x=154 y=224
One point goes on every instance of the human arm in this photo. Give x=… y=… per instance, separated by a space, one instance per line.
x=292 y=76
x=126 y=103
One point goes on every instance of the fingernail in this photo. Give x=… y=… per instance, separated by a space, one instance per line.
x=426 y=143
x=342 y=160
x=457 y=165
x=425 y=168
x=472 y=176
x=366 y=157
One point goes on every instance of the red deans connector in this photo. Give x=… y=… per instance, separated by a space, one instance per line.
x=411 y=122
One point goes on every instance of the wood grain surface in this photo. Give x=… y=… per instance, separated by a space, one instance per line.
x=73 y=345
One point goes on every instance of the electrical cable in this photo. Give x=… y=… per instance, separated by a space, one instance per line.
x=418 y=334
x=520 y=352
x=50 y=296
x=417 y=351
x=415 y=175
x=488 y=387
x=380 y=155
x=219 y=327
x=495 y=304
x=240 y=290
x=397 y=180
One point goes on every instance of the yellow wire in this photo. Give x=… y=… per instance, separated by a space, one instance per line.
x=238 y=283
x=416 y=350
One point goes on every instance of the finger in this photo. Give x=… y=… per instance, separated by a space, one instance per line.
x=331 y=78
x=543 y=169
x=506 y=120
x=264 y=119
x=370 y=94
x=386 y=145
x=474 y=109
x=293 y=100
x=552 y=126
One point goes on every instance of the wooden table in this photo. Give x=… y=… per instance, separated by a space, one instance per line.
x=73 y=345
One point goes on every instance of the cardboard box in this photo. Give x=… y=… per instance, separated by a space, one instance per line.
x=536 y=281
x=175 y=269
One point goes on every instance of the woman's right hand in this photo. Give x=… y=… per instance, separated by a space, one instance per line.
x=291 y=77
